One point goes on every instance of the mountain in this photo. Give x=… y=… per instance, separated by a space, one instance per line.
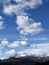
x=27 y=60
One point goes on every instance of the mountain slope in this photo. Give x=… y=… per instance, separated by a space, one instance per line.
x=28 y=60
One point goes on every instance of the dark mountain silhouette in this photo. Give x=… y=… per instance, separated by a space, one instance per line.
x=28 y=60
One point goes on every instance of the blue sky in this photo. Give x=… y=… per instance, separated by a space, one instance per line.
x=24 y=28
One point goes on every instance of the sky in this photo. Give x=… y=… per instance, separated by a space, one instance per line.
x=24 y=28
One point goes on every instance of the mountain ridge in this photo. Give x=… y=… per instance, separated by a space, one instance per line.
x=28 y=60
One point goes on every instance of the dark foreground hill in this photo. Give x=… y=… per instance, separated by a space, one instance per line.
x=22 y=61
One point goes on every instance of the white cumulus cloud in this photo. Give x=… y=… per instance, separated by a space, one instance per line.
x=4 y=42
x=37 y=50
x=30 y=3
x=23 y=21
x=10 y=53
x=8 y=10
x=27 y=25
x=18 y=44
x=20 y=6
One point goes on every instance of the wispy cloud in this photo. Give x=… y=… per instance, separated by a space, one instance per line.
x=1 y=18
x=0 y=52
x=1 y=23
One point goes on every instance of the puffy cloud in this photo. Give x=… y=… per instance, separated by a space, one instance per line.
x=4 y=42
x=23 y=21
x=19 y=8
x=30 y=52
x=16 y=9
x=14 y=44
x=26 y=52
x=36 y=50
x=10 y=53
x=18 y=44
x=27 y=25
x=8 y=10
x=30 y=3
x=23 y=43
x=43 y=46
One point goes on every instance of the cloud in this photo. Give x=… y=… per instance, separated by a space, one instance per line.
x=43 y=46
x=2 y=58
x=30 y=3
x=5 y=2
x=27 y=25
x=18 y=44
x=8 y=10
x=36 y=50
x=30 y=52
x=1 y=47
x=23 y=43
x=0 y=52
x=33 y=50
x=21 y=6
x=10 y=53
x=23 y=21
x=14 y=9
x=1 y=18
x=14 y=44
x=26 y=52
x=39 y=39
x=4 y=42
x=1 y=23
